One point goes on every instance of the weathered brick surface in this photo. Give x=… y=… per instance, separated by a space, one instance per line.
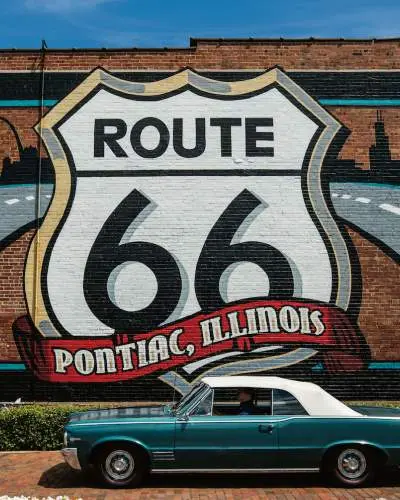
x=44 y=474
x=379 y=275
x=309 y=54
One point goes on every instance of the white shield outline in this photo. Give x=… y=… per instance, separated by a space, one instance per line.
x=330 y=231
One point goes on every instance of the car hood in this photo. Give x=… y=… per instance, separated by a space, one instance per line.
x=120 y=413
x=377 y=411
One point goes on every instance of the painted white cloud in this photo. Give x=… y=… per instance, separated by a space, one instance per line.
x=63 y=6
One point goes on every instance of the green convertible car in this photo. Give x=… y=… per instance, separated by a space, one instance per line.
x=237 y=424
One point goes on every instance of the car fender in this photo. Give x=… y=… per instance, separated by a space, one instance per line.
x=356 y=442
x=118 y=438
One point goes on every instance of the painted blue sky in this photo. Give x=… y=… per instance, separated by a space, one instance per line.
x=159 y=23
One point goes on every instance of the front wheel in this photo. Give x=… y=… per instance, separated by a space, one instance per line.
x=120 y=466
x=352 y=466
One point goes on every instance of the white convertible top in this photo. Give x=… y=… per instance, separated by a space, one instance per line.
x=313 y=398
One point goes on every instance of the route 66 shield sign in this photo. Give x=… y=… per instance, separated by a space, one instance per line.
x=188 y=231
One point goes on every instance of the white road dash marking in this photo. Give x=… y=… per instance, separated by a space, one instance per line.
x=237 y=160
x=390 y=208
x=29 y=198
x=334 y=195
x=48 y=195
x=363 y=200
x=346 y=196
x=12 y=201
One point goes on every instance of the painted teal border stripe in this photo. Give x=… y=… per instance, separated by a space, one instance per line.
x=18 y=103
x=8 y=186
x=360 y=102
x=12 y=367
x=375 y=365
x=382 y=365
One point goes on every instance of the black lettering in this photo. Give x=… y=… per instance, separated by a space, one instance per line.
x=226 y=125
x=136 y=133
x=102 y=137
x=253 y=135
x=200 y=138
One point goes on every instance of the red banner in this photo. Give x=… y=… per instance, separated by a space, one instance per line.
x=238 y=326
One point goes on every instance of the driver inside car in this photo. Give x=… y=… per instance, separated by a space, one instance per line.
x=246 y=398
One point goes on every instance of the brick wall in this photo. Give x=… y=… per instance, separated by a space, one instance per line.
x=357 y=82
x=220 y=54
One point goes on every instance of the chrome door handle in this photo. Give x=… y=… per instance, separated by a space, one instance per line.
x=266 y=428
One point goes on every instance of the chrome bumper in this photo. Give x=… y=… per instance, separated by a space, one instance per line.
x=71 y=457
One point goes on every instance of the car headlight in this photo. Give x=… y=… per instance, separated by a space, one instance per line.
x=65 y=439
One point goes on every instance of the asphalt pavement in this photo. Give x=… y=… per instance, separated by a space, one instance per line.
x=19 y=206
x=373 y=208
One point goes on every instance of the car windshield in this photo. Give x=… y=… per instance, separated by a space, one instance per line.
x=189 y=397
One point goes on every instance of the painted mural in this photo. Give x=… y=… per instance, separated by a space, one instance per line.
x=191 y=225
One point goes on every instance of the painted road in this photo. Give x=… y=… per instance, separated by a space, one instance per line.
x=374 y=208
x=19 y=206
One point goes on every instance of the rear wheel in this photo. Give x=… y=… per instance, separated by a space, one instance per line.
x=121 y=465
x=351 y=466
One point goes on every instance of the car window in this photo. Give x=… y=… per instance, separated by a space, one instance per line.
x=205 y=406
x=226 y=401
x=187 y=400
x=285 y=403
x=264 y=401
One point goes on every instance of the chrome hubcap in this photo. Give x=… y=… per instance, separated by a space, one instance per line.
x=352 y=463
x=119 y=465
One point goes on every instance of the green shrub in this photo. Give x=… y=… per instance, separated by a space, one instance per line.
x=381 y=403
x=34 y=427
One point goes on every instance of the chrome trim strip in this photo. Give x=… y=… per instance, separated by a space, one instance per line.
x=229 y=471
x=127 y=422
x=74 y=439
x=164 y=456
x=70 y=456
x=272 y=402
x=243 y=419
x=238 y=421
x=212 y=400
